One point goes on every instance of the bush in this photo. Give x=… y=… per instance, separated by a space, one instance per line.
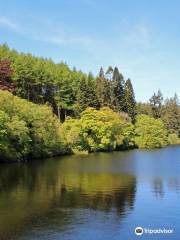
x=98 y=130
x=150 y=132
x=28 y=130
x=173 y=139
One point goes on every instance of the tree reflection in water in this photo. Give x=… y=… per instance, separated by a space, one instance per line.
x=47 y=195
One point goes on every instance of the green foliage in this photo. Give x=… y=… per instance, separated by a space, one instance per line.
x=71 y=131
x=41 y=80
x=130 y=100
x=168 y=111
x=144 y=108
x=173 y=139
x=98 y=130
x=69 y=92
x=105 y=107
x=103 y=89
x=27 y=130
x=87 y=96
x=150 y=132
x=14 y=139
x=3 y=120
x=171 y=115
x=156 y=102
x=118 y=94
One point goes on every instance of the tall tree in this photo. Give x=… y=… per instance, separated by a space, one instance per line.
x=109 y=73
x=118 y=100
x=5 y=70
x=130 y=100
x=5 y=76
x=65 y=100
x=87 y=95
x=107 y=94
x=156 y=102
x=100 y=87
x=108 y=91
x=101 y=73
x=171 y=115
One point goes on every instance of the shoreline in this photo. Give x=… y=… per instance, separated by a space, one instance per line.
x=79 y=153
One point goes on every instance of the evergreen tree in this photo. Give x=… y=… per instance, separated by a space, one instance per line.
x=109 y=73
x=107 y=93
x=65 y=100
x=118 y=101
x=130 y=100
x=91 y=91
x=100 y=87
x=156 y=102
x=87 y=95
x=171 y=115
x=108 y=89
x=101 y=73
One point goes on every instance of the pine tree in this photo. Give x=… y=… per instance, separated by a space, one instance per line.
x=87 y=95
x=82 y=95
x=91 y=92
x=107 y=95
x=101 y=73
x=118 y=101
x=130 y=100
x=100 y=87
x=108 y=89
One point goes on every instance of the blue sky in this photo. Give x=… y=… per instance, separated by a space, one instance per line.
x=141 y=37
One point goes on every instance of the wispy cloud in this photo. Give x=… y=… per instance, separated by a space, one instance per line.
x=6 y=22
x=50 y=32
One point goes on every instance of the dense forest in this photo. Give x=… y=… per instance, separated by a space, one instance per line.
x=47 y=109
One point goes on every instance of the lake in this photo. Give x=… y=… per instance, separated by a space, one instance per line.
x=92 y=197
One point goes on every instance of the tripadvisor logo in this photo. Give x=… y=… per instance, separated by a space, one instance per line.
x=138 y=231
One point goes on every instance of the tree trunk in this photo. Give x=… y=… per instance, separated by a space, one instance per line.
x=59 y=114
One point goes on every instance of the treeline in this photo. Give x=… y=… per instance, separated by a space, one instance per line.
x=168 y=110
x=29 y=131
x=96 y=113
x=69 y=92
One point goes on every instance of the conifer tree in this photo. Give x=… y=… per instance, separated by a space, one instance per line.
x=118 y=100
x=87 y=95
x=101 y=73
x=156 y=102
x=100 y=87
x=107 y=95
x=130 y=100
x=109 y=73
x=171 y=115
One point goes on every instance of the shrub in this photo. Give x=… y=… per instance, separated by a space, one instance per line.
x=98 y=130
x=150 y=132
x=173 y=139
x=28 y=130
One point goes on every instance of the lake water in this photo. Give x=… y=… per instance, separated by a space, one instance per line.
x=92 y=197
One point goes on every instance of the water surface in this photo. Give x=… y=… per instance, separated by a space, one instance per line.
x=98 y=196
